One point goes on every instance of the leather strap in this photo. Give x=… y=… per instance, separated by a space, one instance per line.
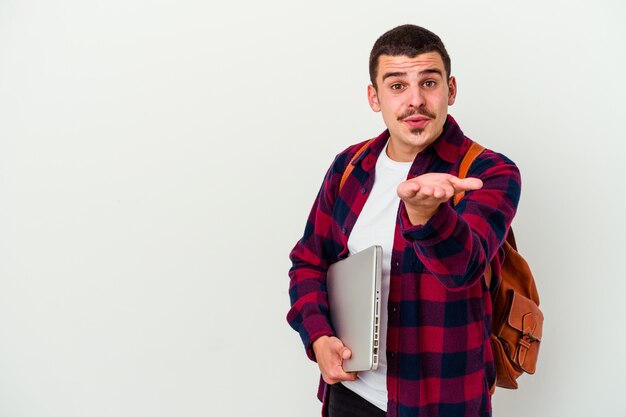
x=466 y=163
x=470 y=156
x=351 y=165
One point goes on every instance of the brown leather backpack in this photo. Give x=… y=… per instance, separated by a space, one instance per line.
x=517 y=321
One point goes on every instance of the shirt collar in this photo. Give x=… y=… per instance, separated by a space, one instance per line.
x=448 y=145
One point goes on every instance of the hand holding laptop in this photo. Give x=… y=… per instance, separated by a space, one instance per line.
x=330 y=353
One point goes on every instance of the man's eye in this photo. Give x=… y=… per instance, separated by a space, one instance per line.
x=429 y=84
x=396 y=86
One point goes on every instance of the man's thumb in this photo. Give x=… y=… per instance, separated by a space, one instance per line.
x=346 y=353
x=467 y=184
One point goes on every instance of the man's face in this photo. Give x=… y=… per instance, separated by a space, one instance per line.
x=413 y=96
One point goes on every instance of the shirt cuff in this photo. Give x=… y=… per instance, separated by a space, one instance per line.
x=438 y=228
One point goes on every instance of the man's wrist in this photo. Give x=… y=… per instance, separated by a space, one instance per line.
x=319 y=341
x=419 y=217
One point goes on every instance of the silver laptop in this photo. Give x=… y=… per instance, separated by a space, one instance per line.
x=354 y=305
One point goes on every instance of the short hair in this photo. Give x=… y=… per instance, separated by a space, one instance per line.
x=409 y=40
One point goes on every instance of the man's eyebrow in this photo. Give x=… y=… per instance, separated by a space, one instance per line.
x=432 y=71
x=403 y=74
x=393 y=74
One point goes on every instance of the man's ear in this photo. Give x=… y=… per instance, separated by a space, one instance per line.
x=451 y=91
x=372 y=97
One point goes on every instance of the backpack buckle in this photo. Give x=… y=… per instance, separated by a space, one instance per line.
x=530 y=338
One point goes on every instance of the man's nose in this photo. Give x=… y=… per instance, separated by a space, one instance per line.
x=415 y=96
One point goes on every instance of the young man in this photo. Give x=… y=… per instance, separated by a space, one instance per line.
x=436 y=358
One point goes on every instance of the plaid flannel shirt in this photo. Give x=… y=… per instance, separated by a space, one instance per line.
x=439 y=356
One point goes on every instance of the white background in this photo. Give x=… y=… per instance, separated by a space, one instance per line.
x=158 y=160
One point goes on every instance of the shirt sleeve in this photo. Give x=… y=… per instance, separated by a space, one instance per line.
x=457 y=244
x=310 y=258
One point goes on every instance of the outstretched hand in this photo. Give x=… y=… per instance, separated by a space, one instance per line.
x=422 y=195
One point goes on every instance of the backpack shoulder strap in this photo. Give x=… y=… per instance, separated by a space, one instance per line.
x=350 y=166
x=474 y=151
x=468 y=159
x=470 y=156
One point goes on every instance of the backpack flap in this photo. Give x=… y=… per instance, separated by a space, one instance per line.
x=525 y=321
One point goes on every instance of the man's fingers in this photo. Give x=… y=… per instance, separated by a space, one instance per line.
x=439 y=191
x=346 y=353
x=350 y=376
x=467 y=184
x=408 y=189
x=423 y=194
x=339 y=374
x=331 y=353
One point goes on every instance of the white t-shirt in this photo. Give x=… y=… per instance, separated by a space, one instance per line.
x=375 y=226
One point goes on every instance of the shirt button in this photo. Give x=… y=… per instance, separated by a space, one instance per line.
x=344 y=230
x=397 y=263
x=394 y=310
x=363 y=190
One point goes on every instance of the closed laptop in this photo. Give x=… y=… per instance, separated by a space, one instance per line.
x=354 y=306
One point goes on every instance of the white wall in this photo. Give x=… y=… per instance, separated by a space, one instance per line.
x=158 y=160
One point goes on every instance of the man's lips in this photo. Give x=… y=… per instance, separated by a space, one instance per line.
x=416 y=122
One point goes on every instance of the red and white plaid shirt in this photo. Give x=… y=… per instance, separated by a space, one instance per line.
x=439 y=356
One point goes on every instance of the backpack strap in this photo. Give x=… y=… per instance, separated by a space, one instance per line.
x=470 y=156
x=351 y=165
x=468 y=159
